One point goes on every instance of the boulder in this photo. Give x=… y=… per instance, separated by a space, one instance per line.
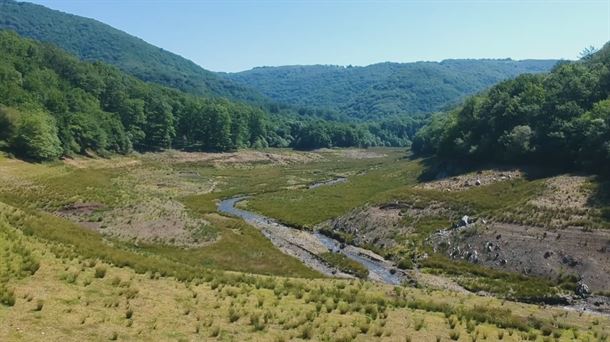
x=569 y=260
x=473 y=257
x=455 y=252
x=464 y=221
x=582 y=290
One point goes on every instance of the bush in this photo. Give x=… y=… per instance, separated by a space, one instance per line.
x=405 y=263
x=234 y=315
x=215 y=331
x=306 y=332
x=7 y=296
x=39 y=305
x=100 y=272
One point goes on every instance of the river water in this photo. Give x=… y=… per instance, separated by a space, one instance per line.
x=306 y=245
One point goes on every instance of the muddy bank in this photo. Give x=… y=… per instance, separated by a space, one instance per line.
x=307 y=246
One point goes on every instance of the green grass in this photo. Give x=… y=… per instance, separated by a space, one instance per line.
x=240 y=248
x=280 y=191
x=345 y=264
x=157 y=306
x=481 y=201
x=510 y=285
x=305 y=207
x=16 y=261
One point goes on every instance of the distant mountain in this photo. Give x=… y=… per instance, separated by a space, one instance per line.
x=384 y=89
x=95 y=41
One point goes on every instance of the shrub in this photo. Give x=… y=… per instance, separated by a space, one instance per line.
x=257 y=322
x=7 y=296
x=100 y=271
x=306 y=332
x=364 y=327
x=343 y=308
x=115 y=281
x=419 y=324
x=234 y=315
x=405 y=263
x=39 y=305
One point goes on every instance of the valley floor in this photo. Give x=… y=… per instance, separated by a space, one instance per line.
x=134 y=247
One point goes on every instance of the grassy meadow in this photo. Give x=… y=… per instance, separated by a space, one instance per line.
x=87 y=298
x=132 y=248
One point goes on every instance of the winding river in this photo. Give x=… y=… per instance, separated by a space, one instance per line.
x=306 y=245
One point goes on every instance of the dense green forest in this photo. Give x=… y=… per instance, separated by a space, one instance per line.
x=92 y=40
x=53 y=104
x=385 y=89
x=561 y=118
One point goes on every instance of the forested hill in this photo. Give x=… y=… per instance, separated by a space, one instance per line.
x=94 y=41
x=53 y=104
x=561 y=118
x=384 y=89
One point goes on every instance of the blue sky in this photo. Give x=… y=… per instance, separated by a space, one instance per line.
x=235 y=35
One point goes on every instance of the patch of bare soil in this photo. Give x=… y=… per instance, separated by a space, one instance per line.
x=101 y=163
x=469 y=180
x=80 y=209
x=166 y=182
x=369 y=225
x=239 y=157
x=532 y=250
x=381 y=225
x=437 y=282
x=564 y=202
x=352 y=153
x=148 y=211
x=157 y=220
x=566 y=194
x=163 y=220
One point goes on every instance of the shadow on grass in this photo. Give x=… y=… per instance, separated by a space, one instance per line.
x=435 y=168
x=600 y=197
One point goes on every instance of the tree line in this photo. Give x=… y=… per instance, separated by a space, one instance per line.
x=561 y=119
x=53 y=104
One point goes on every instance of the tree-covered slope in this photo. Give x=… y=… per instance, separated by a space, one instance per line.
x=560 y=118
x=53 y=104
x=95 y=41
x=384 y=89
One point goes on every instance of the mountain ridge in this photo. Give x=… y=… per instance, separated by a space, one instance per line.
x=386 y=88
x=97 y=41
